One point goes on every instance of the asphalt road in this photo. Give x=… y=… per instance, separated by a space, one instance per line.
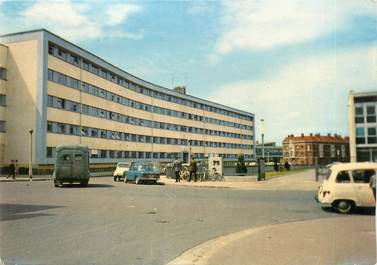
x=118 y=223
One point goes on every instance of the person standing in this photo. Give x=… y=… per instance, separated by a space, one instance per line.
x=12 y=169
x=193 y=169
x=372 y=184
x=177 y=169
x=16 y=167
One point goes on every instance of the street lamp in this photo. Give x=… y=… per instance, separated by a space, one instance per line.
x=31 y=155
x=262 y=130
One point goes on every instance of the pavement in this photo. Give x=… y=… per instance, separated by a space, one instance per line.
x=323 y=241
x=3 y=178
x=303 y=180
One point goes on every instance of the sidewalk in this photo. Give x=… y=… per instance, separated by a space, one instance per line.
x=25 y=178
x=332 y=241
x=303 y=180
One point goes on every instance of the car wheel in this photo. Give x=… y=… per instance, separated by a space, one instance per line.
x=137 y=181
x=84 y=183
x=343 y=206
x=57 y=183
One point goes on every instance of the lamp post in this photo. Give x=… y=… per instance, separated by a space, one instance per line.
x=31 y=155
x=262 y=130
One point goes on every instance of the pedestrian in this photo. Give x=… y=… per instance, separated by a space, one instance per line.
x=12 y=170
x=193 y=169
x=372 y=184
x=177 y=166
x=16 y=168
x=287 y=166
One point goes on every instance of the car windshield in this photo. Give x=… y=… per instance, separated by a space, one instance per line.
x=123 y=165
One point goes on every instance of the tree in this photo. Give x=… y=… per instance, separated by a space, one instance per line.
x=241 y=166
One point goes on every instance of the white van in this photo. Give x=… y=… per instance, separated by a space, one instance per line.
x=346 y=186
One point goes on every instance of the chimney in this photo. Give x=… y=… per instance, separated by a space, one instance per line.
x=311 y=134
x=302 y=135
x=329 y=134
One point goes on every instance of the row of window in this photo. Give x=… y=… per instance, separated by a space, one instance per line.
x=119 y=154
x=3 y=101
x=365 y=114
x=63 y=128
x=3 y=73
x=60 y=103
x=366 y=135
x=94 y=69
x=102 y=93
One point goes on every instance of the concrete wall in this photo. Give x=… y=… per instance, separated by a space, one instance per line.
x=21 y=99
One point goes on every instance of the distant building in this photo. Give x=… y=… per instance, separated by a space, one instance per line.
x=362 y=124
x=305 y=149
x=271 y=151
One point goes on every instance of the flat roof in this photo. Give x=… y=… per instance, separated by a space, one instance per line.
x=148 y=84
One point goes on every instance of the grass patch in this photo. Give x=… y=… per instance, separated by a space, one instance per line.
x=274 y=174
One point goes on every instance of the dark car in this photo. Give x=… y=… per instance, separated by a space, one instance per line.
x=142 y=171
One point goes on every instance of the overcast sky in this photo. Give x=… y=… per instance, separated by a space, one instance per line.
x=289 y=62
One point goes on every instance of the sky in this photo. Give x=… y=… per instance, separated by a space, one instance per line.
x=290 y=62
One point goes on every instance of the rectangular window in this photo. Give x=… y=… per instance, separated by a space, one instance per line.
x=359 y=115
x=2 y=126
x=372 y=135
x=3 y=100
x=371 y=114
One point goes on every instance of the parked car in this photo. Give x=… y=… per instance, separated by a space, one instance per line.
x=346 y=186
x=142 y=171
x=119 y=171
x=72 y=165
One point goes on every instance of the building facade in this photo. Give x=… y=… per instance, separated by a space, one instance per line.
x=272 y=152
x=68 y=95
x=362 y=124
x=307 y=149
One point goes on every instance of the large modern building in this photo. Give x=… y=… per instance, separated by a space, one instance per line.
x=68 y=95
x=310 y=149
x=362 y=122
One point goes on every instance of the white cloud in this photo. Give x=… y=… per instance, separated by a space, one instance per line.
x=267 y=24
x=118 y=13
x=72 y=20
x=307 y=96
x=62 y=17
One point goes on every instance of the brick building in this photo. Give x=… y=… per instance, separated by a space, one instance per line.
x=305 y=149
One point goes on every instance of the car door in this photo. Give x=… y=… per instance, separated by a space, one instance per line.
x=64 y=164
x=363 y=191
x=343 y=188
x=131 y=173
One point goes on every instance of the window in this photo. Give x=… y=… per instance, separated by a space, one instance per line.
x=371 y=114
x=360 y=135
x=343 y=177
x=359 y=115
x=362 y=176
x=2 y=126
x=372 y=135
x=3 y=100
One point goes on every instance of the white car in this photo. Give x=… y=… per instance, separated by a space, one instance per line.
x=346 y=186
x=122 y=167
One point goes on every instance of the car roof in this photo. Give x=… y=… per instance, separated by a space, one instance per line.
x=357 y=165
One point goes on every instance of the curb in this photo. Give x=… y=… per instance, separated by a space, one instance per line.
x=200 y=254
x=24 y=179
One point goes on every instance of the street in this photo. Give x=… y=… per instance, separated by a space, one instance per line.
x=116 y=223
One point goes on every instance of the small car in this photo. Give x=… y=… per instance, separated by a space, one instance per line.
x=142 y=171
x=119 y=171
x=346 y=186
